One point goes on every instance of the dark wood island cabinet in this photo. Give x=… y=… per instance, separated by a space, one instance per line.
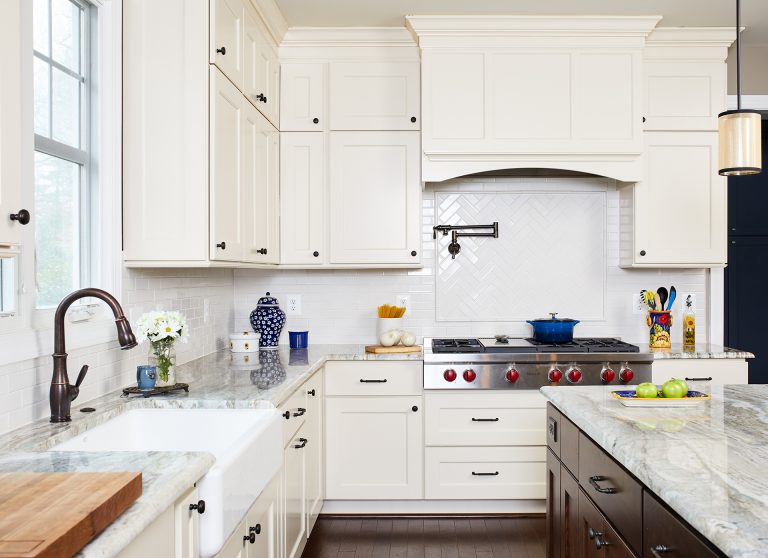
x=596 y=508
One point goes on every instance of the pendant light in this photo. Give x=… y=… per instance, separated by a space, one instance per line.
x=739 y=130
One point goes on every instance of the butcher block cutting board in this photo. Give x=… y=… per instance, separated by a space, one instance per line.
x=54 y=515
x=382 y=350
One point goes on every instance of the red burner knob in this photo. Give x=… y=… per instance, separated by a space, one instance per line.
x=626 y=375
x=555 y=375
x=450 y=375
x=574 y=375
x=607 y=375
x=512 y=375
x=469 y=375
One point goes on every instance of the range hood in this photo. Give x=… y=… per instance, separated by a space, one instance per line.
x=517 y=92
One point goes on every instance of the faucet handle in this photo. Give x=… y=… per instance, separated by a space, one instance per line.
x=81 y=375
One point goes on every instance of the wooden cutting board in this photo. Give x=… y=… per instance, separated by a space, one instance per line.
x=54 y=515
x=382 y=350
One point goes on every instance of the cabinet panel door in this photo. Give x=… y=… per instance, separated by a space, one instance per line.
x=569 y=515
x=554 y=519
x=454 y=100
x=315 y=472
x=260 y=205
x=10 y=123
x=374 y=96
x=681 y=173
x=227 y=117
x=187 y=522
x=294 y=500
x=226 y=43
x=235 y=547
x=374 y=448
x=302 y=93
x=263 y=521
x=256 y=71
x=590 y=526
x=375 y=197
x=302 y=197
x=683 y=95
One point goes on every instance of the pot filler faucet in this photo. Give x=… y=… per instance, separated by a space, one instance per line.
x=62 y=392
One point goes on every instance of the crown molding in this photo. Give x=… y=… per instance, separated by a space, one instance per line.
x=272 y=17
x=692 y=36
x=523 y=26
x=346 y=36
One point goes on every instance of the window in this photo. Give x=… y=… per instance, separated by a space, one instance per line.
x=7 y=286
x=64 y=180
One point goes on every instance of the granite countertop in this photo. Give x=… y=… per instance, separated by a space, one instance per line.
x=708 y=463
x=701 y=350
x=219 y=380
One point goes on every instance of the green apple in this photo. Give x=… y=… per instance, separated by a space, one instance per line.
x=683 y=385
x=646 y=390
x=672 y=389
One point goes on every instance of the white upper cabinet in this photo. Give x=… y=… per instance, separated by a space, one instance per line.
x=679 y=211
x=374 y=95
x=303 y=198
x=375 y=197
x=10 y=125
x=226 y=38
x=303 y=97
x=261 y=68
x=228 y=117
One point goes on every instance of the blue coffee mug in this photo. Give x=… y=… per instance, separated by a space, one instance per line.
x=298 y=339
x=146 y=376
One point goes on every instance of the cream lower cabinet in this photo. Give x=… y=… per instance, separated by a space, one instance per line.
x=374 y=431
x=701 y=372
x=680 y=174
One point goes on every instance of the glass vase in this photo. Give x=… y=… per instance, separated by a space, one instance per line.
x=163 y=356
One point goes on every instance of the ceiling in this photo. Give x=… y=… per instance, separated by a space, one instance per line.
x=389 y=13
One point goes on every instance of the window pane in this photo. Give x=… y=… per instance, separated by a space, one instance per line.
x=65 y=23
x=42 y=98
x=40 y=21
x=57 y=228
x=7 y=285
x=66 y=108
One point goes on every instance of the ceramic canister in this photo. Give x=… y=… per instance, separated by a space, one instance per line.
x=245 y=342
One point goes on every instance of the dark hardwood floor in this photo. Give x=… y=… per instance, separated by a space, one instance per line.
x=386 y=537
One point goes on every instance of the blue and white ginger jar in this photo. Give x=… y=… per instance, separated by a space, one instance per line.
x=268 y=320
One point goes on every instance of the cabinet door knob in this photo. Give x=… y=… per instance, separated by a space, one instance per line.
x=413 y=253
x=22 y=217
x=287 y=415
x=222 y=245
x=315 y=253
x=222 y=50
x=255 y=529
x=600 y=542
x=315 y=121
x=413 y=119
x=643 y=118
x=642 y=252
x=250 y=538
x=262 y=251
x=200 y=506
x=414 y=408
x=311 y=392
x=261 y=97
x=660 y=549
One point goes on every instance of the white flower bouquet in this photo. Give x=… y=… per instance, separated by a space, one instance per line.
x=162 y=330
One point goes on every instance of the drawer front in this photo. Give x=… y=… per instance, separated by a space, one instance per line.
x=296 y=409
x=482 y=473
x=485 y=419
x=374 y=378
x=615 y=492
x=553 y=428
x=569 y=445
x=664 y=533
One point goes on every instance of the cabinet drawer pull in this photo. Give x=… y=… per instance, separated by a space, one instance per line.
x=222 y=51
x=300 y=412
x=494 y=474
x=485 y=420
x=301 y=444
x=384 y=381
x=660 y=549
x=699 y=379
x=599 y=478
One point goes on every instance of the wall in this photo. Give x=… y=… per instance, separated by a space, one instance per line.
x=339 y=306
x=754 y=77
x=24 y=385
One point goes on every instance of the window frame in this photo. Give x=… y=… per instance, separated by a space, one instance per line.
x=30 y=330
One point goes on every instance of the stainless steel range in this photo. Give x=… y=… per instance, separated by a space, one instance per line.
x=521 y=364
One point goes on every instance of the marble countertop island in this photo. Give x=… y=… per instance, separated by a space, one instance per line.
x=219 y=380
x=708 y=463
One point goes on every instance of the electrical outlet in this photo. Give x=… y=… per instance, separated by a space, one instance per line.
x=638 y=304
x=206 y=310
x=294 y=305
x=403 y=300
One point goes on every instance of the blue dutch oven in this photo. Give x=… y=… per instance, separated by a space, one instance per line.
x=554 y=329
